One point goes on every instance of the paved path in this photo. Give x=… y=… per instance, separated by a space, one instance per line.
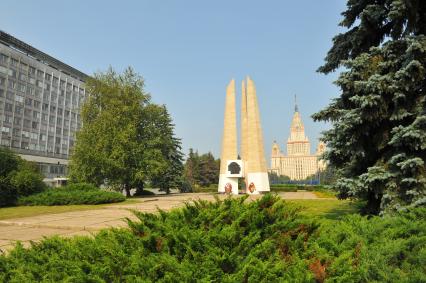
x=87 y=222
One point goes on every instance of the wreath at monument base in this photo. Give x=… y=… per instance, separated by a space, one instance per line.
x=252 y=187
x=228 y=188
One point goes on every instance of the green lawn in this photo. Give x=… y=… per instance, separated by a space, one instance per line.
x=25 y=211
x=324 y=208
x=327 y=208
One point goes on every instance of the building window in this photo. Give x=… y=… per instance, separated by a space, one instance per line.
x=27 y=123
x=16 y=132
x=5 y=130
x=4 y=58
x=5 y=71
x=18 y=109
x=36 y=115
x=28 y=102
x=7 y=119
x=34 y=125
x=27 y=112
x=8 y=107
x=25 y=134
x=12 y=84
x=14 y=62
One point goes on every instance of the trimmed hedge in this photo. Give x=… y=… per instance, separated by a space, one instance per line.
x=266 y=240
x=72 y=194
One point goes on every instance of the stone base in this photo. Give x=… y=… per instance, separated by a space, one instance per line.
x=257 y=183
x=223 y=181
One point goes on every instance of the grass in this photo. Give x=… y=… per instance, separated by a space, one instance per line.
x=325 y=194
x=332 y=209
x=25 y=211
x=323 y=208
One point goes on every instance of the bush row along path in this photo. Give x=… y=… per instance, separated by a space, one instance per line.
x=87 y=222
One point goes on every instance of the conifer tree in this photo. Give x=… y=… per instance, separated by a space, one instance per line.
x=378 y=138
x=170 y=175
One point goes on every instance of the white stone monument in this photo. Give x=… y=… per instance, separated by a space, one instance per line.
x=252 y=166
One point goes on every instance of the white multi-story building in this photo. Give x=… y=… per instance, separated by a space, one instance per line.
x=299 y=163
x=40 y=98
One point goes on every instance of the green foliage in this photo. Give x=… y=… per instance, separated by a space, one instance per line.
x=378 y=139
x=212 y=188
x=17 y=178
x=8 y=194
x=9 y=161
x=296 y=187
x=80 y=187
x=170 y=176
x=274 y=178
x=201 y=170
x=125 y=139
x=359 y=249
x=266 y=240
x=72 y=194
x=283 y=188
x=143 y=193
x=27 y=182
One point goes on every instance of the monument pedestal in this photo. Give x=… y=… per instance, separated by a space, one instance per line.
x=257 y=183
x=228 y=185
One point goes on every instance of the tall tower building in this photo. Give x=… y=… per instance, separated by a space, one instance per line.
x=299 y=163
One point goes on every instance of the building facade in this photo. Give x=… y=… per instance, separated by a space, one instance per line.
x=299 y=163
x=40 y=98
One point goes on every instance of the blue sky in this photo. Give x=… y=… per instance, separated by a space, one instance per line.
x=188 y=51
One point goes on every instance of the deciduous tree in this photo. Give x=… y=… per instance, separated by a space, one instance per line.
x=122 y=141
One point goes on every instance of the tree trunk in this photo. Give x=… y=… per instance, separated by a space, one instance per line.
x=127 y=189
x=139 y=189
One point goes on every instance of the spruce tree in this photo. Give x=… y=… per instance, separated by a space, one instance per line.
x=378 y=138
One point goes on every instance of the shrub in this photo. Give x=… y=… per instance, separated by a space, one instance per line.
x=275 y=188
x=143 y=193
x=80 y=187
x=75 y=195
x=27 y=182
x=266 y=240
x=361 y=249
x=17 y=178
x=212 y=188
x=8 y=194
x=9 y=162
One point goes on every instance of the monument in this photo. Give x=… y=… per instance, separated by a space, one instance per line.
x=252 y=165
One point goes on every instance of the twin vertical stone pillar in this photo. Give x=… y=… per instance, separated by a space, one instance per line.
x=228 y=183
x=253 y=163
